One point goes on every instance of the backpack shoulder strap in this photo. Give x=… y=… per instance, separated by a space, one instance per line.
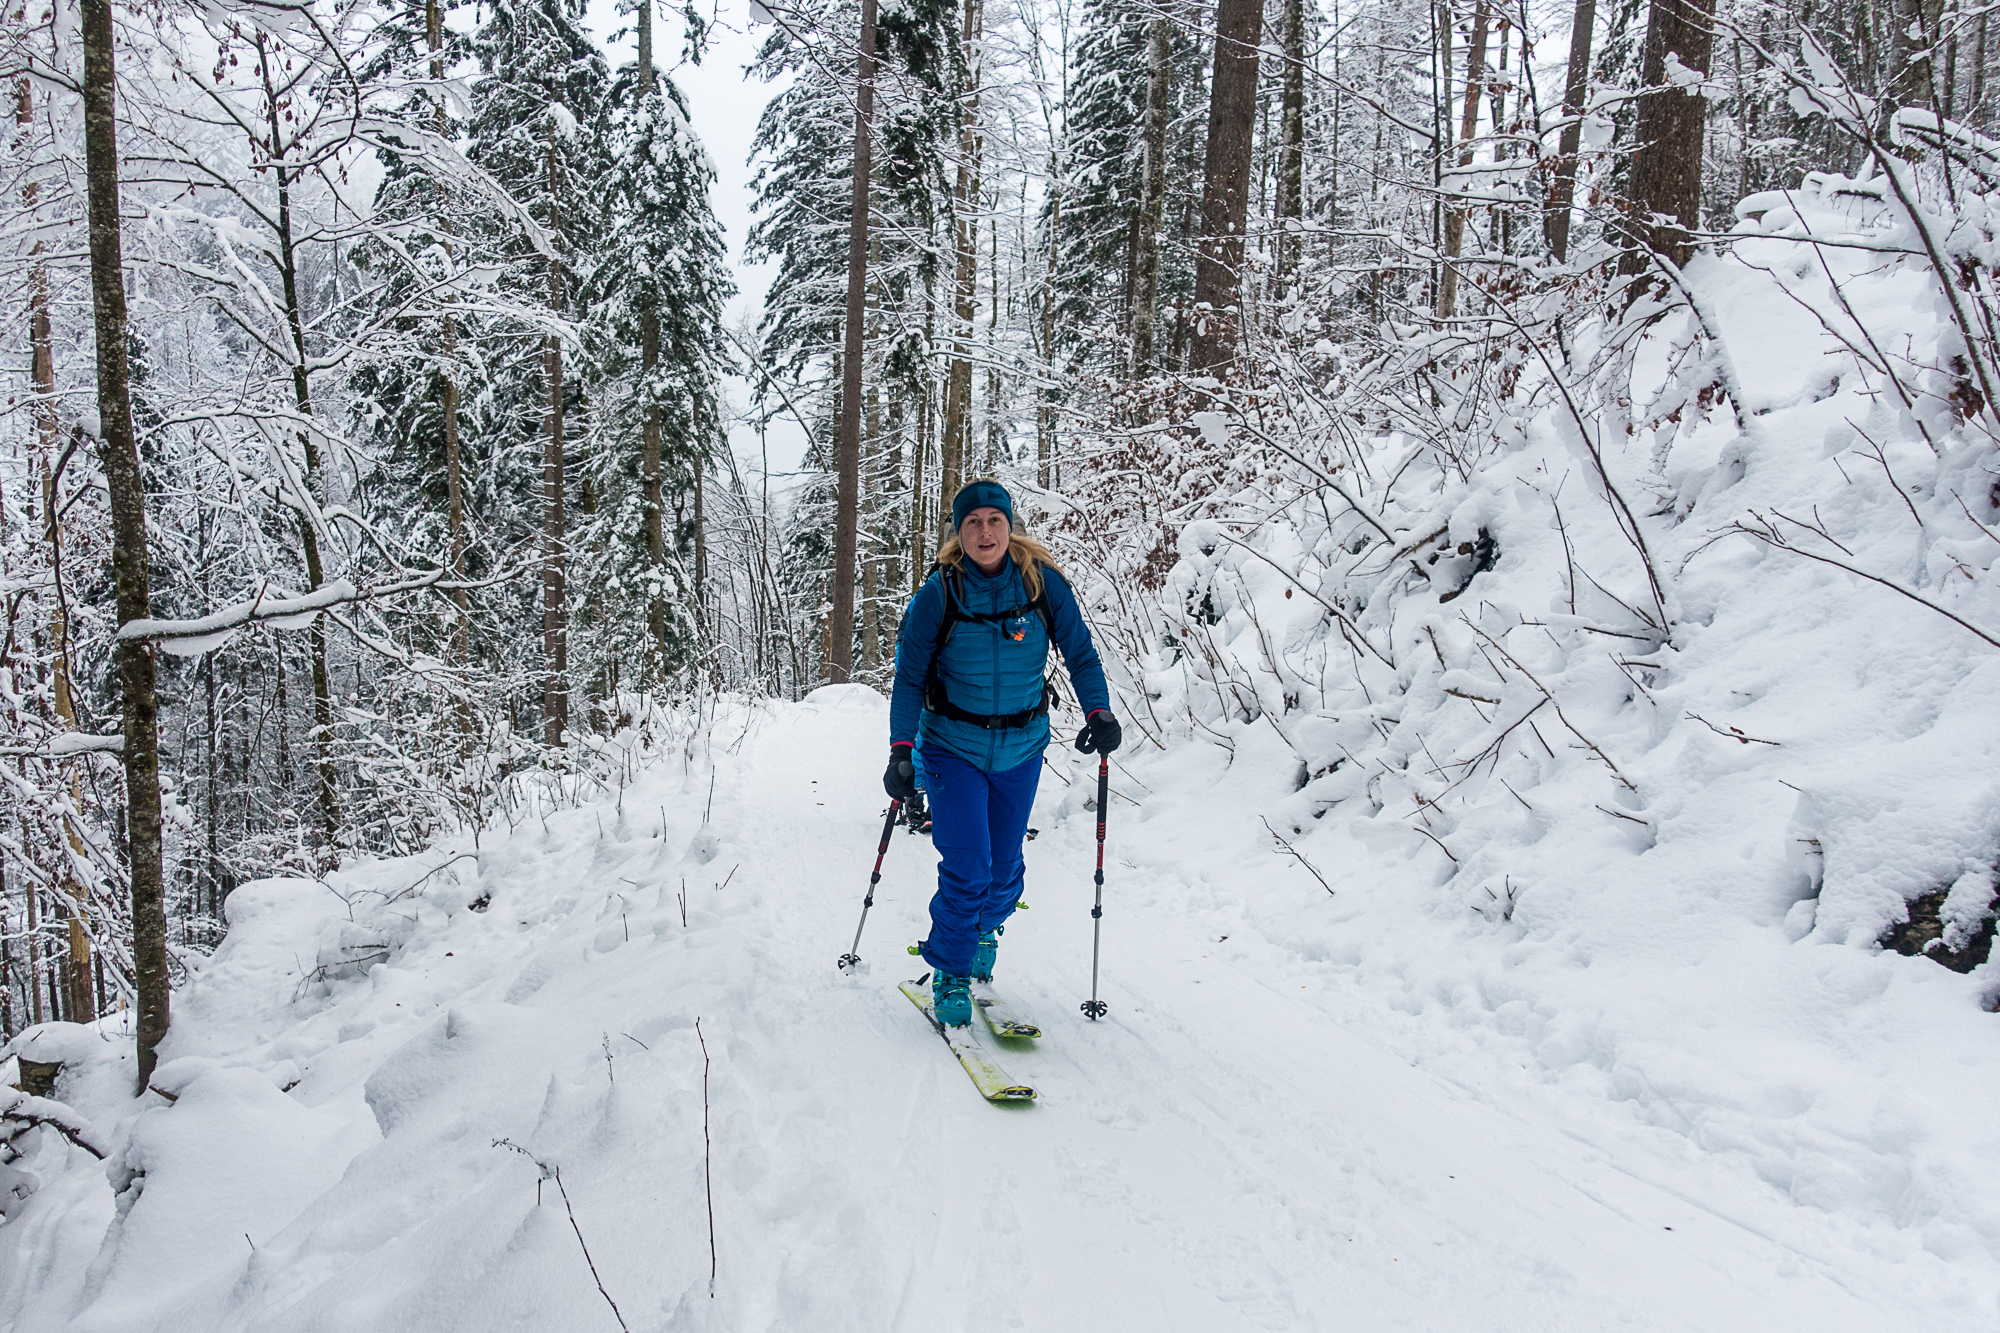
x=1041 y=604
x=954 y=607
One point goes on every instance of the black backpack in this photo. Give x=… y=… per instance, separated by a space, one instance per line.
x=950 y=583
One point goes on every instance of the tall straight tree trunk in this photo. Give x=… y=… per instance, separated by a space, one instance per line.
x=70 y=894
x=868 y=537
x=555 y=521
x=1441 y=32
x=454 y=474
x=42 y=372
x=921 y=543
x=1913 y=34
x=1153 y=194
x=1978 y=109
x=649 y=361
x=919 y=455
x=1454 y=222
x=888 y=538
x=1502 y=148
x=119 y=457
x=1292 y=143
x=701 y=548
x=1576 y=89
x=994 y=431
x=965 y=277
x=1225 y=192
x=30 y=893
x=1666 y=161
x=1045 y=401
x=326 y=787
x=41 y=340
x=847 y=506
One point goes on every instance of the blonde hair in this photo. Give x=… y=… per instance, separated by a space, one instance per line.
x=1029 y=556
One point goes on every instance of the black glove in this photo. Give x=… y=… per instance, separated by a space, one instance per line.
x=1101 y=733
x=900 y=780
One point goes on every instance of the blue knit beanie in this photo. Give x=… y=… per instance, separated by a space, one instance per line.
x=980 y=495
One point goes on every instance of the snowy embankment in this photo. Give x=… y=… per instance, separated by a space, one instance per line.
x=1259 y=1136
x=1595 y=863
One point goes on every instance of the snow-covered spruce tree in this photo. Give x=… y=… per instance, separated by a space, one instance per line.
x=803 y=212
x=537 y=125
x=408 y=406
x=657 y=295
x=305 y=286
x=1110 y=120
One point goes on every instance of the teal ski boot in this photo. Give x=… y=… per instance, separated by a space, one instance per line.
x=951 y=999
x=982 y=960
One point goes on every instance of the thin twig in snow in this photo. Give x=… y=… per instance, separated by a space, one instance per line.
x=550 y=1171
x=1770 y=536
x=1731 y=733
x=1299 y=856
x=707 y=1159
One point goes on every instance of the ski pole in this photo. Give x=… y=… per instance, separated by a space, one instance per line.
x=1094 y=1008
x=852 y=958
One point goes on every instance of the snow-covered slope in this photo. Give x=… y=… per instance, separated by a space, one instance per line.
x=1261 y=1135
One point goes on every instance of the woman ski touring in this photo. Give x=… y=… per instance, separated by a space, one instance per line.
x=971 y=686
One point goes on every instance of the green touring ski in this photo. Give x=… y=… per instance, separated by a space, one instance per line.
x=988 y=1077
x=999 y=1017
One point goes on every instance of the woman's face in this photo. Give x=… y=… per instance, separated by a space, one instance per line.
x=984 y=536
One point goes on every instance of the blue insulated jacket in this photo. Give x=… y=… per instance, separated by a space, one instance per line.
x=990 y=667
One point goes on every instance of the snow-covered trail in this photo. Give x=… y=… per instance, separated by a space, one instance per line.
x=1219 y=1153
x=1229 y=1149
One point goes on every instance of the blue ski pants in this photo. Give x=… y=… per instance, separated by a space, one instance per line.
x=977 y=822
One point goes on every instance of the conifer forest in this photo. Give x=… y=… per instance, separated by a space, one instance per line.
x=1496 y=424
x=422 y=334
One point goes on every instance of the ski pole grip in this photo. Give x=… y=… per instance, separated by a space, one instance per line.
x=1103 y=799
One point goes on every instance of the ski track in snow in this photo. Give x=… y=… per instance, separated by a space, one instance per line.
x=1238 y=1145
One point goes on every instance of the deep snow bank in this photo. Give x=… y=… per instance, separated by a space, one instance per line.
x=1542 y=837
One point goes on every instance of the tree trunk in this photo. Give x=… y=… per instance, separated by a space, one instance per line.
x=994 y=442
x=555 y=522
x=1225 y=194
x=888 y=539
x=1912 y=34
x=1153 y=195
x=847 y=509
x=454 y=474
x=1502 y=148
x=6 y=974
x=1045 y=404
x=919 y=529
x=1978 y=109
x=965 y=292
x=1292 y=143
x=1441 y=31
x=42 y=372
x=868 y=516
x=327 y=788
x=70 y=895
x=1576 y=90
x=29 y=894
x=119 y=457
x=1454 y=222
x=649 y=361
x=1666 y=161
